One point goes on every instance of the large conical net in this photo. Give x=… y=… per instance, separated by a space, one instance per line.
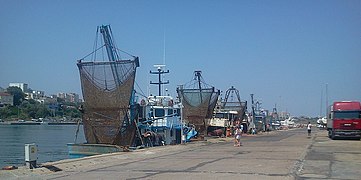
x=212 y=103
x=107 y=89
x=199 y=100
x=232 y=102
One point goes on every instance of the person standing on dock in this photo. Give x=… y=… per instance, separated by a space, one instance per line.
x=237 y=137
x=309 y=128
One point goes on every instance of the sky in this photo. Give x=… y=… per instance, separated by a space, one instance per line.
x=283 y=52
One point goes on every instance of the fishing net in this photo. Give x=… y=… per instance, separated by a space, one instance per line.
x=195 y=97
x=233 y=102
x=212 y=103
x=107 y=90
x=197 y=105
x=199 y=100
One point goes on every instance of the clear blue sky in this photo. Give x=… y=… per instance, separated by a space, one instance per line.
x=284 y=52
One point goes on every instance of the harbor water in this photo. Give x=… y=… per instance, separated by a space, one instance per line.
x=50 y=139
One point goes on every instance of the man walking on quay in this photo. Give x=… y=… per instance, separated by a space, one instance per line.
x=309 y=128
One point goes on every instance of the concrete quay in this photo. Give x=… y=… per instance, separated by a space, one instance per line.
x=276 y=155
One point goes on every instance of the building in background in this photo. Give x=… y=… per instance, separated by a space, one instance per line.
x=22 y=86
x=34 y=94
x=6 y=99
x=40 y=96
x=69 y=97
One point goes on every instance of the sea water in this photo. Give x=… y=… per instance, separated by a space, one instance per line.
x=51 y=141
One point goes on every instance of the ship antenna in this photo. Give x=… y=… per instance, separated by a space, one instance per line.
x=164 y=58
x=160 y=72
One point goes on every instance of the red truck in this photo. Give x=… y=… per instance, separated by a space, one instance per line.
x=344 y=120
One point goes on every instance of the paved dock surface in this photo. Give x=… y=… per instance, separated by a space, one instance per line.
x=275 y=155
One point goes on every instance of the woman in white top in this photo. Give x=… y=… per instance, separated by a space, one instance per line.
x=237 y=137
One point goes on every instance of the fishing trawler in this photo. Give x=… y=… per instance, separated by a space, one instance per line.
x=161 y=116
x=199 y=100
x=221 y=120
x=107 y=87
x=229 y=112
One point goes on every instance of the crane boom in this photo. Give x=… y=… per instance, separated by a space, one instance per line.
x=111 y=50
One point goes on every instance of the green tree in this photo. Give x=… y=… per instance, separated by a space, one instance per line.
x=27 y=109
x=5 y=112
x=60 y=100
x=33 y=109
x=18 y=94
x=42 y=111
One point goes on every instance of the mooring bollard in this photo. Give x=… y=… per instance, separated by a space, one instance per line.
x=31 y=155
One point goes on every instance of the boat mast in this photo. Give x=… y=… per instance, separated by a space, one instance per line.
x=321 y=106
x=160 y=82
x=198 y=75
x=326 y=98
x=253 y=113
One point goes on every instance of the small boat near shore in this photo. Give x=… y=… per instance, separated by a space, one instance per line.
x=26 y=123
x=84 y=150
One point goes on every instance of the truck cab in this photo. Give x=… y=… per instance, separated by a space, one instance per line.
x=344 y=120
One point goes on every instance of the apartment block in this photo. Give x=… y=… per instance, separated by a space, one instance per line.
x=69 y=97
x=22 y=86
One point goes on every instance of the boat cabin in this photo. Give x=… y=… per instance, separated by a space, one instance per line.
x=163 y=117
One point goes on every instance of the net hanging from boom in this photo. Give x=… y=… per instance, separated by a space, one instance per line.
x=107 y=88
x=199 y=100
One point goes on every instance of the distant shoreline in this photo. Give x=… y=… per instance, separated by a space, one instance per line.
x=38 y=123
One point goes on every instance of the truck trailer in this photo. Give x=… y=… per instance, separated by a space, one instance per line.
x=344 y=120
